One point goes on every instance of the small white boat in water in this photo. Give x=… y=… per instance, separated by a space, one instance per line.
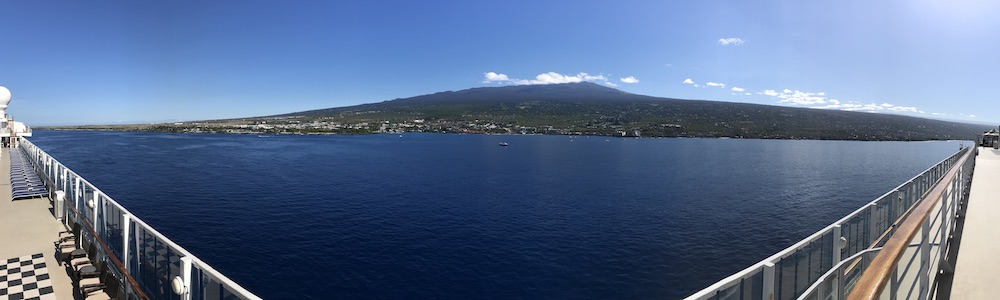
x=504 y=144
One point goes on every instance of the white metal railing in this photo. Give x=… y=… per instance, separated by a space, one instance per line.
x=789 y=273
x=138 y=254
x=909 y=263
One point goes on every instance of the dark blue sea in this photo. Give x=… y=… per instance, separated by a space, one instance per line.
x=436 y=216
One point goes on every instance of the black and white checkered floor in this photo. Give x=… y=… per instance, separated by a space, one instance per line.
x=25 y=277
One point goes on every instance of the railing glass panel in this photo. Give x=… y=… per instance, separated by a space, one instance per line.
x=84 y=204
x=856 y=233
x=113 y=230
x=209 y=289
x=101 y=212
x=795 y=273
x=157 y=265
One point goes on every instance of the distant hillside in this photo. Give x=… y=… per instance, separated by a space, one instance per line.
x=585 y=108
x=588 y=108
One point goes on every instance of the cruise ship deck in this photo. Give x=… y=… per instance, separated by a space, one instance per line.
x=28 y=228
x=978 y=260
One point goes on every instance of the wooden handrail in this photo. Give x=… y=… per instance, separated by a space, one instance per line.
x=873 y=280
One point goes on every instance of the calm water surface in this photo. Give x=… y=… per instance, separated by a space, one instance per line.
x=458 y=217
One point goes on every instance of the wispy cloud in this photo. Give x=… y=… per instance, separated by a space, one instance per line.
x=821 y=101
x=731 y=41
x=802 y=98
x=691 y=82
x=870 y=107
x=737 y=89
x=630 y=79
x=954 y=115
x=549 y=78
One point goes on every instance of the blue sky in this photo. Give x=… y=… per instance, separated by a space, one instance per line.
x=105 y=62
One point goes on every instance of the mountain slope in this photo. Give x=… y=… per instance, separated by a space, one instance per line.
x=589 y=108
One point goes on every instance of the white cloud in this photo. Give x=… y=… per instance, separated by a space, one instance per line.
x=819 y=100
x=553 y=77
x=494 y=77
x=953 y=116
x=747 y=94
x=716 y=84
x=630 y=79
x=549 y=78
x=688 y=81
x=731 y=41
x=801 y=98
x=738 y=90
x=871 y=107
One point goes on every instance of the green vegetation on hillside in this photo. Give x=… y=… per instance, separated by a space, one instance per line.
x=586 y=109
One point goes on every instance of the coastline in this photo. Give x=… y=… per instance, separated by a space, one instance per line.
x=164 y=128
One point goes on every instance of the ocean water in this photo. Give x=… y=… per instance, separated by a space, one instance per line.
x=440 y=216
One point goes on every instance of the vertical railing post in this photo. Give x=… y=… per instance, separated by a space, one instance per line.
x=838 y=247
x=57 y=177
x=186 y=277
x=65 y=178
x=893 y=283
x=768 y=288
x=104 y=214
x=910 y=191
x=96 y=198
x=923 y=182
x=820 y=291
x=891 y=213
x=946 y=217
x=925 y=257
x=873 y=220
x=840 y=280
x=837 y=244
x=76 y=196
x=126 y=225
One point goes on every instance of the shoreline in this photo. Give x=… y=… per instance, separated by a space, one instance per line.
x=135 y=128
